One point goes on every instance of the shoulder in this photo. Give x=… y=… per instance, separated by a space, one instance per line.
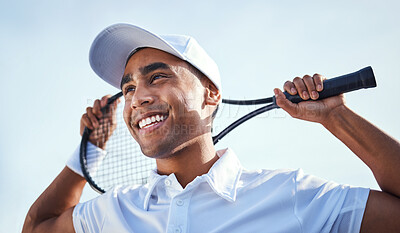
x=294 y=179
x=264 y=178
x=263 y=175
x=91 y=214
x=132 y=193
x=116 y=196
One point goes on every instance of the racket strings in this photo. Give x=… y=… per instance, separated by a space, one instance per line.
x=124 y=163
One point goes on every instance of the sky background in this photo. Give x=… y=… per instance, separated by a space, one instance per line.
x=46 y=80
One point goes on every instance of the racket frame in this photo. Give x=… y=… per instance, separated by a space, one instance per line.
x=83 y=147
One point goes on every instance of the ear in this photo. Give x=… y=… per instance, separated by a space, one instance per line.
x=213 y=96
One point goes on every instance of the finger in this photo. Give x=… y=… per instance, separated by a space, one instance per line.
x=114 y=105
x=85 y=121
x=104 y=100
x=92 y=117
x=318 y=81
x=97 y=109
x=301 y=88
x=309 y=82
x=103 y=103
x=284 y=103
x=289 y=87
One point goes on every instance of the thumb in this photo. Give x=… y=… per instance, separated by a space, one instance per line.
x=284 y=103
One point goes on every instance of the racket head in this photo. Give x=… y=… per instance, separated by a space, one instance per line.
x=124 y=162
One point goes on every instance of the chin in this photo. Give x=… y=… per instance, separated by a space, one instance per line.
x=162 y=150
x=155 y=151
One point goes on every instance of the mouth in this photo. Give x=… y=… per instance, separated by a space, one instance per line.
x=151 y=121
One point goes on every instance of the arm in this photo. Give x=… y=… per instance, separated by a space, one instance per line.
x=379 y=151
x=52 y=211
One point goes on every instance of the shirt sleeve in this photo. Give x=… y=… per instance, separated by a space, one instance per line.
x=89 y=216
x=323 y=206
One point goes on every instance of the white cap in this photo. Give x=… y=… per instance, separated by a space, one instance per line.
x=113 y=46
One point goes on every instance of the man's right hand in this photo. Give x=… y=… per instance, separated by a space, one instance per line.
x=101 y=123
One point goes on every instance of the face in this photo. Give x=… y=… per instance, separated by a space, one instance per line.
x=165 y=106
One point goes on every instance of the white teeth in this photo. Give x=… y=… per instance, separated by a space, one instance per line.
x=148 y=121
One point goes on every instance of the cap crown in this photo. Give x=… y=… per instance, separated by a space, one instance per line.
x=112 y=47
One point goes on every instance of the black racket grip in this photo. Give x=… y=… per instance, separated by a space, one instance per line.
x=110 y=101
x=114 y=97
x=363 y=78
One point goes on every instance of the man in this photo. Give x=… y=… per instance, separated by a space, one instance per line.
x=195 y=188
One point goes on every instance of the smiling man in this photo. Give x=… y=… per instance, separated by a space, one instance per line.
x=160 y=85
x=172 y=89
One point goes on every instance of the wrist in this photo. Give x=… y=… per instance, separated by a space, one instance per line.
x=93 y=154
x=335 y=116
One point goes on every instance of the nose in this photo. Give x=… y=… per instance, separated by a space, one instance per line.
x=141 y=97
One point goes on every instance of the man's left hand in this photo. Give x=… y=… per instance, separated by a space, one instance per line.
x=308 y=88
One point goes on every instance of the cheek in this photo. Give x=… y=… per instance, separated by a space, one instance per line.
x=127 y=113
x=189 y=101
x=192 y=100
x=185 y=104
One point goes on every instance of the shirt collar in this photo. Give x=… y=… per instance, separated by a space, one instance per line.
x=223 y=177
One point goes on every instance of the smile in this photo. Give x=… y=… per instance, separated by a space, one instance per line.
x=150 y=121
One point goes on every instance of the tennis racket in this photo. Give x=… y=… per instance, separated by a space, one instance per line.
x=124 y=163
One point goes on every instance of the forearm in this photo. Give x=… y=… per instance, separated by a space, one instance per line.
x=379 y=151
x=62 y=194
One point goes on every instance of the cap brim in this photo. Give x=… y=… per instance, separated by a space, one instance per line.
x=110 y=50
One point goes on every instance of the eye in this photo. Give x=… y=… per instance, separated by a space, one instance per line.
x=129 y=89
x=156 y=77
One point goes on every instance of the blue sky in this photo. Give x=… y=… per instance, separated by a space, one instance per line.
x=46 y=80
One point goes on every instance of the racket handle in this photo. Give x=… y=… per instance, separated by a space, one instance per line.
x=363 y=78
x=114 y=97
x=110 y=101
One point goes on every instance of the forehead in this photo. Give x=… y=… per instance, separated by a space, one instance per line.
x=147 y=60
x=147 y=56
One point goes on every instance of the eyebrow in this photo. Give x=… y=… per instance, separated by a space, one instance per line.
x=145 y=70
x=126 y=79
x=152 y=67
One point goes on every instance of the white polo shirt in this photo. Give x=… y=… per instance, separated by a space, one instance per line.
x=227 y=199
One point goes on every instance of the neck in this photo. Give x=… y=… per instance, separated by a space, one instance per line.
x=193 y=160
